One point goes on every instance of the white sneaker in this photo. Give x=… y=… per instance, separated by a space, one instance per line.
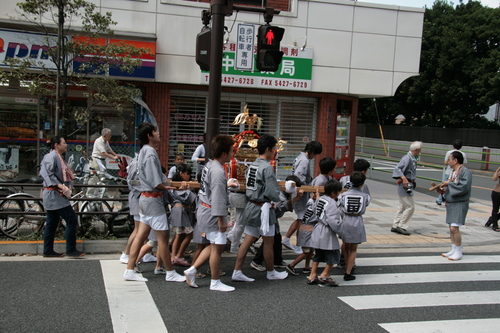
x=286 y=243
x=190 y=275
x=447 y=254
x=239 y=276
x=457 y=255
x=148 y=257
x=124 y=258
x=298 y=250
x=173 y=276
x=219 y=286
x=131 y=275
x=275 y=275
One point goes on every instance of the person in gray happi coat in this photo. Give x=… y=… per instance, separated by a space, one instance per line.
x=57 y=183
x=362 y=166
x=152 y=210
x=456 y=192
x=353 y=205
x=133 y=205
x=406 y=173
x=181 y=216
x=262 y=189
x=327 y=167
x=212 y=212
x=324 y=236
x=301 y=169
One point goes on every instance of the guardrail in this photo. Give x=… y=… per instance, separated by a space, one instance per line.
x=479 y=158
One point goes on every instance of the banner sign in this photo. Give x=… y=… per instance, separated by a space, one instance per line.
x=294 y=73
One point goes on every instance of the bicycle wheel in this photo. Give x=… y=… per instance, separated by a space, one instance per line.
x=89 y=221
x=21 y=225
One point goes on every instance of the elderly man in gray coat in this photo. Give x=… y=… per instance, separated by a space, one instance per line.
x=406 y=173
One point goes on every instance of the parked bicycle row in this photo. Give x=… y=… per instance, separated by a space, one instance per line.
x=99 y=200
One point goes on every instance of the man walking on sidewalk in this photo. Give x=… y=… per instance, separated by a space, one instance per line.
x=406 y=173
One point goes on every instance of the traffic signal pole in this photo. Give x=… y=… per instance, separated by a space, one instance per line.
x=218 y=10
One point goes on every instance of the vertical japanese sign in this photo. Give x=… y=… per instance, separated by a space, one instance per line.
x=244 y=47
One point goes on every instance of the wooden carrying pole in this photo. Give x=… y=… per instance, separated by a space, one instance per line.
x=306 y=188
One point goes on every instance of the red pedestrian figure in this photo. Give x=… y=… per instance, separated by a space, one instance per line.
x=270 y=37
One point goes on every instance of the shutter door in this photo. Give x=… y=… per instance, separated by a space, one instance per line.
x=292 y=119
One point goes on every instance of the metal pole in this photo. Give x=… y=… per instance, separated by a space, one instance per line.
x=38 y=133
x=218 y=11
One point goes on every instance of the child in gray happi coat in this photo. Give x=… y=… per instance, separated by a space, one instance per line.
x=301 y=169
x=181 y=216
x=324 y=236
x=353 y=205
x=327 y=166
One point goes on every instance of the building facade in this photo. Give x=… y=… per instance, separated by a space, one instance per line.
x=335 y=52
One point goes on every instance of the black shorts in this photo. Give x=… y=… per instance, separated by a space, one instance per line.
x=330 y=257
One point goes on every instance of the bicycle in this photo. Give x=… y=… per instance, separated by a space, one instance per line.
x=21 y=214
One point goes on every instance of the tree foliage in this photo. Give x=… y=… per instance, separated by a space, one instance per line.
x=72 y=31
x=459 y=71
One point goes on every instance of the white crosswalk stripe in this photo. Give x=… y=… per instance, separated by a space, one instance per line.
x=490 y=325
x=422 y=299
x=425 y=277
x=426 y=299
x=425 y=260
x=131 y=305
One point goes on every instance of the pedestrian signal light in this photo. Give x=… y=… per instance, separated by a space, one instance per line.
x=268 y=48
x=203 y=40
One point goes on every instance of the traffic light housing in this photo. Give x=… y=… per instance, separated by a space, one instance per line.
x=203 y=40
x=268 y=48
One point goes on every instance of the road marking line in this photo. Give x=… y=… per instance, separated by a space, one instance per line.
x=422 y=300
x=131 y=305
x=425 y=260
x=489 y=325
x=425 y=277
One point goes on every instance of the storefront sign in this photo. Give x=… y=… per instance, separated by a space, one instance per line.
x=34 y=47
x=26 y=100
x=244 y=47
x=145 y=71
x=22 y=46
x=294 y=72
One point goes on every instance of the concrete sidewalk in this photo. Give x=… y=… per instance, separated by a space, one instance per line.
x=428 y=228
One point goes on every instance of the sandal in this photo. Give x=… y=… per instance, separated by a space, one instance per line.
x=329 y=282
x=200 y=275
x=315 y=281
x=181 y=262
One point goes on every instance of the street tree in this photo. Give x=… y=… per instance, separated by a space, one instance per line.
x=459 y=70
x=73 y=35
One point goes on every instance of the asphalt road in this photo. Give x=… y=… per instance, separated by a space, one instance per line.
x=70 y=296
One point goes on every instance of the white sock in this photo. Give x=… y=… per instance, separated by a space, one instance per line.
x=191 y=269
